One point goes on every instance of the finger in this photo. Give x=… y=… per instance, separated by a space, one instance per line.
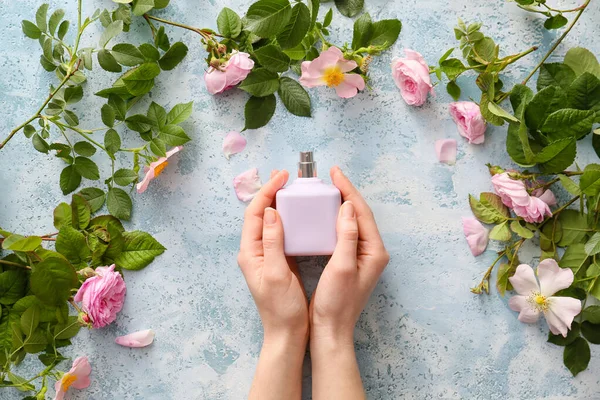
x=344 y=255
x=367 y=227
x=253 y=224
x=275 y=263
x=273 y=173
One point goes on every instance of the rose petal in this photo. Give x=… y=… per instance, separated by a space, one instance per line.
x=446 y=150
x=524 y=280
x=561 y=312
x=247 y=184
x=476 y=234
x=527 y=314
x=233 y=144
x=552 y=277
x=548 y=198
x=136 y=339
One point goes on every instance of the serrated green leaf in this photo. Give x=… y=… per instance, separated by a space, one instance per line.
x=127 y=54
x=294 y=97
x=41 y=16
x=30 y=29
x=173 y=56
x=157 y=114
x=72 y=244
x=584 y=93
x=62 y=215
x=361 y=34
x=557 y=156
x=107 y=114
x=54 y=20
x=52 y=280
x=261 y=82
x=107 y=61
x=139 y=250
x=63 y=29
x=112 y=30
x=349 y=8
x=589 y=182
x=70 y=179
x=568 y=122
x=297 y=27
x=577 y=356
x=149 y=52
x=141 y=7
x=119 y=203
x=385 y=32
x=174 y=135
x=84 y=149
x=489 y=209
x=87 y=168
x=180 y=113
x=229 y=23
x=544 y=103
x=40 y=144
x=73 y=94
x=258 y=111
x=124 y=177
x=94 y=196
x=266 y=18
x=112 y=142
x=555 y=74
x=582 y=60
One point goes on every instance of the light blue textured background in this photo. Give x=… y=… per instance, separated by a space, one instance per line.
x=423 y=334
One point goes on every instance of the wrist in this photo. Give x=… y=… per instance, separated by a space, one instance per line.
x=329 y=337
x=295 y=339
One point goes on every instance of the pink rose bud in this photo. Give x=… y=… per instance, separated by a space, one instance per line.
x=235 y=70
x=102 y=296
x=469 y=121
x=411 y=75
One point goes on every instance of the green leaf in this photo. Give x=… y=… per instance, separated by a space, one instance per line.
x=452 y=67
x=16 y=242
x=40 y=144
x=592 y=314
x=30 y=29
x=73 y=94
x=557 y=156
x=385 y=33
x=13 y=286
x=87 y=168
x=40 y=17
x=67 y=330
x=84 y=148
x=139 y=123
x=501 y=232
x=162 y=40
x=555 y=74
x=574 y=227
x=453 y=90
x=568 y=122
x=72 y=244
x=140 y=80
x=584 y=93
x=180 y=113
x=158 y=147
x=577 y=356
x=581 y=60
x=593 y=244
x=54 y=20
x=141 y=7
x=108 y=115
x=112 y=142
x=591 y=332
x=173 y=56
x=518 y=146
x=589 y=183
x=21 y=383
x=158 y=4
x=261 y=82
x=500 y=112
x=157 y=114
x=485 y=111
x=150 y=52
x=80 y=212
x=52 y=280
x=139 y=250
x=555 y=22
x=62 y=215
x=559 y=340
x=119 y=203
x=124 y=177
x=297 y=53
x=69 y=179
x=107 y=61
x=258 y=111
x=294 y=97
x=328 y=17
x=63 y=29
x=95 y=198
x=520 y=230
x=112 y=30
x=229 y=23
x=28 y=130
x=569 y=185
x=489 y=209
x=363 y=28
x=349 y=8
x=544 y=103
x=266 y=18
x=174 y=135
x=297 y=27
x=127 y=54
x=272 y=58
x=35 y=343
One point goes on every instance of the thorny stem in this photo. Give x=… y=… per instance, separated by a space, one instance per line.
x=205 y=33
x=563 y=11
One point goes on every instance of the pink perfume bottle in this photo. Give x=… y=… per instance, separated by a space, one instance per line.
x=308 y=208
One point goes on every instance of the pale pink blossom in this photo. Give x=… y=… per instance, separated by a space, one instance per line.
x=446 y=150
x=514 y=194
x=102 y=296
x=136 y=339
x=547 y=196
x=233 y=143
x=534 y=299
x=234 y=71
x=77 y=377
x=469 y=121
x=247 y=184
x=411 y=75
x=155 y=169
x=332 y=69
x=535 y=211
x=476 y=234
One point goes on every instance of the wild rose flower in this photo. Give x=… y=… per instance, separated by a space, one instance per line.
x=136 y=339
x=411 y=75
x=469 y=121
x=155 y=169
x=330 y=69
x=233 y=144
x=514 y=195
x=247 y=184
x=476 y=234
x=234 y=71
x=77 y=377
x=102 y=296
x=534 y=299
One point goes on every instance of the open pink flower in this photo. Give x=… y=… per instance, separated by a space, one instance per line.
x=331 y=69
x=534 y=299
x=476 y=234
x=247 y=184
x=535 y=211
x=514 y=195
x=102 y=296
x=469 y=121
x=234 y=71
x=136 y=339
x=233 y=143
x=77 y=377
x=411 y=75
x=155 y=169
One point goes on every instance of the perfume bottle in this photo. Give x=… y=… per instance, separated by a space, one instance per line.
x=308 y=208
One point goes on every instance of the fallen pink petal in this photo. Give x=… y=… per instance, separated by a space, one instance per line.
x=136 y=339
x=247 y=184
x=233 y=143
x=446 y=151
x=477 y=235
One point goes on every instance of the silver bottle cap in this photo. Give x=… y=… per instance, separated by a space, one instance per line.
x=307 y=167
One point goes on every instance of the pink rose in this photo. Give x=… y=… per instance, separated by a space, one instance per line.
x=411 y=75
x=332 y=69
x=514 y=195
x=534 y=211
x=235 y=70
x=102 y=296
x=469 y=121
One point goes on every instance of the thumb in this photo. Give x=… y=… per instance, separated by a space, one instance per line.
x=344 y=255
x=275 y=261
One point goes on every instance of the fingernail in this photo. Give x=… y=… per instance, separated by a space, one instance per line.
x=348 y=210
x=270 y=216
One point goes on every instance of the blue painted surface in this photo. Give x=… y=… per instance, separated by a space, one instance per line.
x=423 y=334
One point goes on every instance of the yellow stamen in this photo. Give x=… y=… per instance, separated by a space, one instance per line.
x=67 y=381
x=159 y=168
x=333 y=76
x=538 y=301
